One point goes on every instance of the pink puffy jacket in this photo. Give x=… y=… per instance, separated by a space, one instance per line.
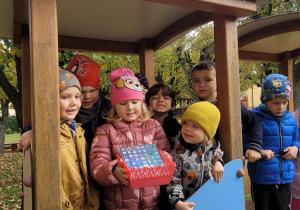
x=296 y=182
x=103 y=157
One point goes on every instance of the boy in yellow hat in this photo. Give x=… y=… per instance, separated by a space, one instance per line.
x=194 y=153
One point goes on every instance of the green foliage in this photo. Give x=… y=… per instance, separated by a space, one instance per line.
x=7 y=62
x=252 y=73
x=173 y=63
x=276 y=7
x=12 y=125
x=107 y=63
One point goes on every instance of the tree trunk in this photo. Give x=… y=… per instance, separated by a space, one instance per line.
x=3 y=119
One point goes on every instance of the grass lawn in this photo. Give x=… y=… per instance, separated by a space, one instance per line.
x=12 y=138
x=10 y=176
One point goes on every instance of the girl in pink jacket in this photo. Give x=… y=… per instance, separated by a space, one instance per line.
x=128 y=125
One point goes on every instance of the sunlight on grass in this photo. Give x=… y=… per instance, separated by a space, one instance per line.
x=248 y=196
x=12 y=138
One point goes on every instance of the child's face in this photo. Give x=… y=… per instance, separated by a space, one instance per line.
x=69 y=103
x=160 y=103
x=277 y=106
x=192 y=132
x=89 y=96
x=204 y=84
x=129 y=110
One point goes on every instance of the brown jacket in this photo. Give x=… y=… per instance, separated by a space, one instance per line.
x=77 y=192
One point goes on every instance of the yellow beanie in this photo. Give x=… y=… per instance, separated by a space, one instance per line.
x=205 y=114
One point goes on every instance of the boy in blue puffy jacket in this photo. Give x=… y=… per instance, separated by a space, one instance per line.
x=272 y=176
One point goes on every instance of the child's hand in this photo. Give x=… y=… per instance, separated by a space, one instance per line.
x=180 y=205
x=252 y=155
x=267 y=154
x=291 y=153
x=120 y=174
x=24 y=141
x=218 y=171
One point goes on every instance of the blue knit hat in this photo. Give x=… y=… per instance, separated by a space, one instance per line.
x=275 y=86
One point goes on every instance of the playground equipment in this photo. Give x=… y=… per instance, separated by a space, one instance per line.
x=41 y=27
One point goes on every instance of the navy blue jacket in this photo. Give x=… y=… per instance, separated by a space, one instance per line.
x=252 y=131
x=278 y=134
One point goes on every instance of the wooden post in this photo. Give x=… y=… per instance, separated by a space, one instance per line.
x=286 y=68
x=228 y=85
x=147 y=60
x=45 y=104
x=26 y=87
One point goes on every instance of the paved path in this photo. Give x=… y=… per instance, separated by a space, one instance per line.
x=249 y=204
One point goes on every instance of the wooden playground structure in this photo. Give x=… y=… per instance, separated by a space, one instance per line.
x=139 y=27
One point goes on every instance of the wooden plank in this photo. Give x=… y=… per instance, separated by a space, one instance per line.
x=270 y=30
x=296 y=53
x=27 y=177
x=286 y=68
x=147 y=60
x=97 y=45
x=45 y=104
x=257 y=56
x=226 y=7
x=18 y=7
x=26 y=79
x=11 y=146
x=180 y=27
x=227 y=67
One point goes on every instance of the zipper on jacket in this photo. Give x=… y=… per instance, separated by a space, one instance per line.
x=133 y=136
x=135 y=143
x=280 y=170
x=280 y=149
x=280 y=135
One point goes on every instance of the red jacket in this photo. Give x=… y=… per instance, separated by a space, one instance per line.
x=103 y=157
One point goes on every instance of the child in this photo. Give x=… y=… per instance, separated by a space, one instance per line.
x=94 y=105
x=296 y=182
x=204 y=85
x=160 y=98
x=128 y=125
x=194 y=153
x=272 y=176
x=75 y=195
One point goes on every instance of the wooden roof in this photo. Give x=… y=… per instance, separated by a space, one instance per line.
x=119 y=25
x=269 y=38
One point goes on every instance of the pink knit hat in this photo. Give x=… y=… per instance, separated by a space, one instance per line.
x=124 y=86
x=86 y=70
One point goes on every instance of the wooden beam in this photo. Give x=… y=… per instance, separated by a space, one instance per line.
x=45 y=104
x=227 y=67
x=256 y=56
x=237 y=8
x=268 y=31
x=296 y=53
x=97 y=45
x=286 y=68
x=26 y=81
x=179 y=27
x=18 y=7
x=147 y=60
